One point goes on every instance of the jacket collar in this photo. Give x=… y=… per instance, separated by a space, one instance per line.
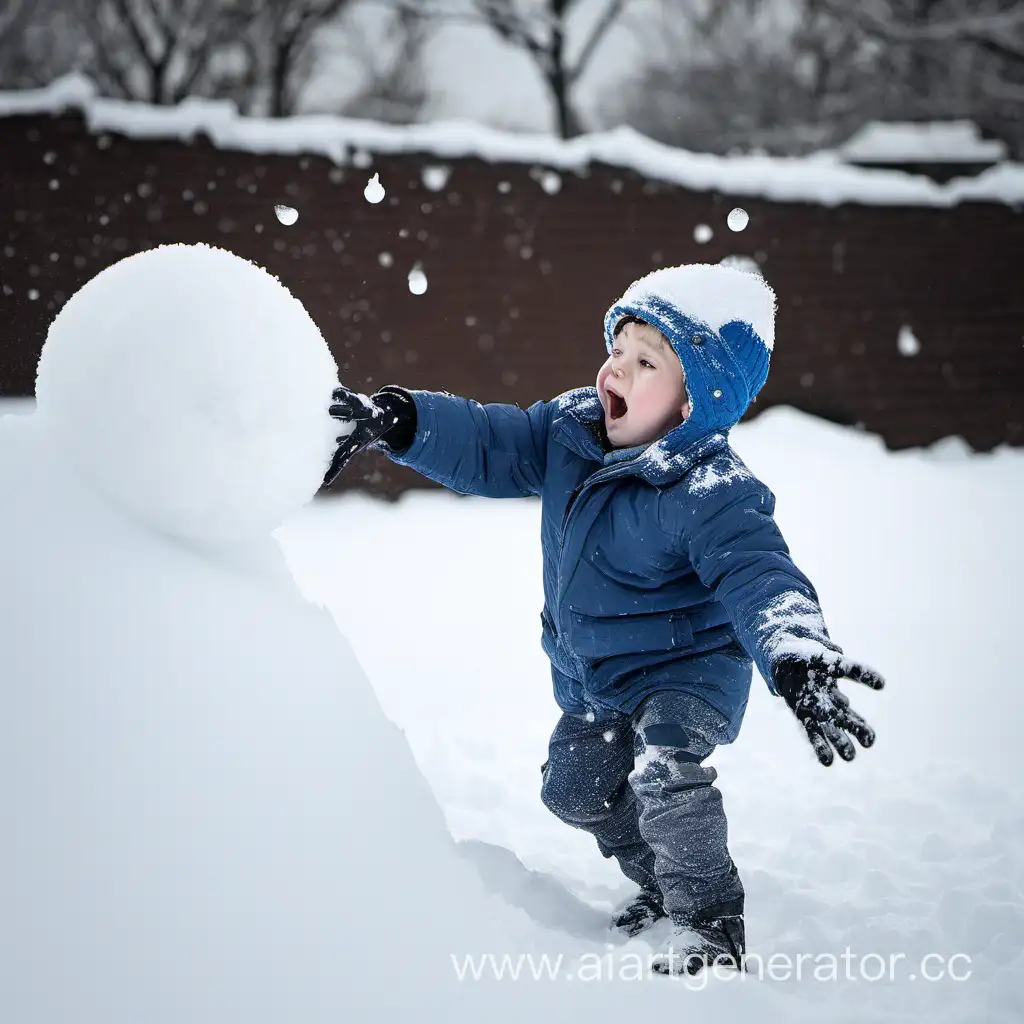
x=579 y=425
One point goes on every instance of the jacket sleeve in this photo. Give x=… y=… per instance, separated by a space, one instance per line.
x=494 y=450
x=737 y=550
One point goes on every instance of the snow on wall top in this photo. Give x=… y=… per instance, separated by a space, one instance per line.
x=821 y=178
x=909 y=142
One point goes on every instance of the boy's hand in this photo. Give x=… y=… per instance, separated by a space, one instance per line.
x=808 y=686
x=369 y=419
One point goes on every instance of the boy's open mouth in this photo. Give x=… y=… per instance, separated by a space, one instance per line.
x=616 y=404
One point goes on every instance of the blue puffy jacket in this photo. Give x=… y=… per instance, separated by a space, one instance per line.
x=661 y=571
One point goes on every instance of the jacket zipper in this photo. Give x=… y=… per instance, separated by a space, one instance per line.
x=568 y=508
x=597 y=477
x=601 y=474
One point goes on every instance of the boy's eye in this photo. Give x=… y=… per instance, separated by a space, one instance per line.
x=643 y=362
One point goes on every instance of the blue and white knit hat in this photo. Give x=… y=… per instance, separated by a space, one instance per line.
x=720 y=322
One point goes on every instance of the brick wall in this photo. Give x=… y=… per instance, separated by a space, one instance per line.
x=519 y=278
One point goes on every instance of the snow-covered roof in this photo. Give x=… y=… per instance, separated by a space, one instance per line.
x=899 y=142
x=820 y=178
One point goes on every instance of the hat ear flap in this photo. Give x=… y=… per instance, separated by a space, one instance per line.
x=750 y=353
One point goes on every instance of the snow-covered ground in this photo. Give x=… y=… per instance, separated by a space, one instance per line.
x=916 y=847
x=209 y=815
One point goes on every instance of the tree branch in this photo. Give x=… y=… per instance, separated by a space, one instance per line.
x=984 y=30
x=997 y=89
x=88 y=15
x=611 y=12
x=199 y=61
x=999 y=47
x=164 y=27
x=512 y=29
x=129 y=22
x=10 y=15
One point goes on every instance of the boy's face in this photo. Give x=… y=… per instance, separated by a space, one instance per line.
x=642 y=387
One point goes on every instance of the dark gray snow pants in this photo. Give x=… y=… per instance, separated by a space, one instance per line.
x=637 y=784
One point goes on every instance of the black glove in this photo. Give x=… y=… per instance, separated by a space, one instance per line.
x=808 y=686
x=388 y=416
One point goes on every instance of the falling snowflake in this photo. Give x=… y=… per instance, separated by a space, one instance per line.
x=906 y=342
x=287 y=215
x=551 y=182
x=737 y=219
x=435 y=177
x=374 y=191
x=417 y=280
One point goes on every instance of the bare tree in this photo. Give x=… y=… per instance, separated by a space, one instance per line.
x=720 y=77
x=539 y=27
x=39 y=41
x=997 y=27
x=792 y=77
x=258 y=53
x=156 y=50
x=394 y=87
x=279 y=42
x=161 y=51
x=942 y=58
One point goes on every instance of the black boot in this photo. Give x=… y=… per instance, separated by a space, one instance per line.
x=639 y=914
x=716 y=935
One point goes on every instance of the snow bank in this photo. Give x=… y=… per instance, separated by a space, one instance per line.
x=208 y=817
x=822 y=178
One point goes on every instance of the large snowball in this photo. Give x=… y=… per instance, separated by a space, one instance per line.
x=192 y=388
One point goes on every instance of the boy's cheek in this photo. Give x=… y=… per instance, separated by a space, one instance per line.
x=602 y=376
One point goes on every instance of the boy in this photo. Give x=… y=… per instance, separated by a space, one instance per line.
x=664 y=577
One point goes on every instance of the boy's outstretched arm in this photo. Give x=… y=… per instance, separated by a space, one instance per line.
x=737 y=550
x=494 y=450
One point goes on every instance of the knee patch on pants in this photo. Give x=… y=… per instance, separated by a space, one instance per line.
x=576 y=805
